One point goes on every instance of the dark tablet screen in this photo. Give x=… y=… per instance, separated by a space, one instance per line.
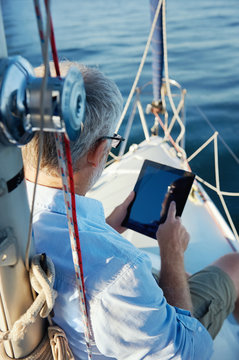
x=156 y=187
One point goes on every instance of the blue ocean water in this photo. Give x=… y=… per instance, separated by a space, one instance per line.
x=203 y=56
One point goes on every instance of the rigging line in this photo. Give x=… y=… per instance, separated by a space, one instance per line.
x=67 y=148
x=210 y=186
x=140 y=66
x=175 y=145
x=202 y=147
x=216 y=189
x=177 y=117
x=220 y=136
x=40 y=26
x=67 y=169
x=219 y=190
x=178 y=149
x=53 y=46
x=44 y=47
x=228 y=216
x=216 y=164
x=163 y=98
x=68 y=158
x=73 y=204
x=64 y=172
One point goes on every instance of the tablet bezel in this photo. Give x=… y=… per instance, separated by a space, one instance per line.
x=166 y=168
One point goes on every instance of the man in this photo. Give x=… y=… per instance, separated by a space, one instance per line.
x=130 y=315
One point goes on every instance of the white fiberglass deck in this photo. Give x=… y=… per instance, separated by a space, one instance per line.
x=209 y=233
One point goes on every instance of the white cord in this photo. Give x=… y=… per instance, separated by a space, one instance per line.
x=140 y=66
x=42 y=282
x=45 y=55
x=231 y=152
x=175 y=112
x=217 y=177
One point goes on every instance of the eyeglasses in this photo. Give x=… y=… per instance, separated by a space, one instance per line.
x=116 y=140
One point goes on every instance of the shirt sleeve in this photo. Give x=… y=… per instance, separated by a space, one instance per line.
x=132 y=320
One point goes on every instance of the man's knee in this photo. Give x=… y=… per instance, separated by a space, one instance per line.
x=213 y=296
x=229 y=263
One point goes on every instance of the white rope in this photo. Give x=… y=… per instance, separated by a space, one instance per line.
x=175 y=112
x=163 y=98
x=217 y=178
x=42 y=283
x=228 y=216
x=59 y=344
x=210 y=186
x=231 y=152
x=216 y=164
x=140 y=66
x=217 y=188
x=177 y=117
x=201 y=147
x=143 y=121
x=64 y=175
x=45 y=54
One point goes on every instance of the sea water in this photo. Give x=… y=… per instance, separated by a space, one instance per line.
x=203 y=56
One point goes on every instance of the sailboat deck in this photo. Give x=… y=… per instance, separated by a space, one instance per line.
x=210 y=236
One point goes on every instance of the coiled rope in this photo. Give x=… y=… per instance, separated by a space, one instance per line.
x=42 y=283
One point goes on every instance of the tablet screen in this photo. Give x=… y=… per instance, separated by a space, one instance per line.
x=156 y=187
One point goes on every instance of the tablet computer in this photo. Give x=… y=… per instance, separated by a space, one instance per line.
x=156 y=187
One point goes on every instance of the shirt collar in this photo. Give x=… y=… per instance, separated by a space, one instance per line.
x=53 y=200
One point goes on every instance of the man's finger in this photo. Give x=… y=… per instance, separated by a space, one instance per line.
x=171 y=211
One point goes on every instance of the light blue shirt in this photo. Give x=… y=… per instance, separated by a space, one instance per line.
x=129 y=315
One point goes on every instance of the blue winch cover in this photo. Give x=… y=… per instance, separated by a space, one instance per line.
x=157 y=51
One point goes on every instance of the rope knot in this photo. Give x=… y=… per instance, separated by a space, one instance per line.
x=59 y=343
x=42 y=282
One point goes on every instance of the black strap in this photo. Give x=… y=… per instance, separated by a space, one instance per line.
x=15 y=181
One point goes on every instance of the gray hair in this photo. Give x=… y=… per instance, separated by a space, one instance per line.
x=103 y=109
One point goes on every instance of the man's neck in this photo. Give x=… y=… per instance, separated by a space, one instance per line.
x=54 y=181
x=43 y=179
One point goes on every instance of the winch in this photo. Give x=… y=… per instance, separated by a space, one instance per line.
x=24 y=110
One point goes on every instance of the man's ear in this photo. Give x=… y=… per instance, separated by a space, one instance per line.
x=95 y=155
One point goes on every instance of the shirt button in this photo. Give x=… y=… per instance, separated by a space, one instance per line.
x=199 y=329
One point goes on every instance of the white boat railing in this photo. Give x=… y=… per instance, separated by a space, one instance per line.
x=178 y=116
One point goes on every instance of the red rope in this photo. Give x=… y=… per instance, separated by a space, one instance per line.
x=53 y=45
x=68 y=158
x=163 y=127
x=73 y=205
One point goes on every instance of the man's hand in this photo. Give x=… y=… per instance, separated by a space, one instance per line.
x=172 y=236
x=117 y=216
x=173 y=241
